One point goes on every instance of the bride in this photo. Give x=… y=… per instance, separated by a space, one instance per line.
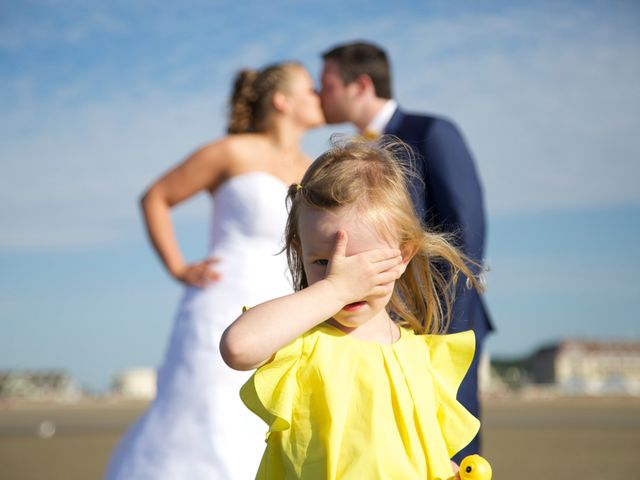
x=197 y=427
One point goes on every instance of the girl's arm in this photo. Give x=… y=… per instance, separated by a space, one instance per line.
x=261 y=331
x=202 y=170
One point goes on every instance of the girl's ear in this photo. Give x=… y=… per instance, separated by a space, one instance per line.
x=408 y=252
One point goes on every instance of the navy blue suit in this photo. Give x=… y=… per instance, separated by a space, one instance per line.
x=450 y=200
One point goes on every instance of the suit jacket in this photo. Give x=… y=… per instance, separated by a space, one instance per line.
x=448 y=196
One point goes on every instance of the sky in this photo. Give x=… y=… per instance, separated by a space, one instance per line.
x=99 y=98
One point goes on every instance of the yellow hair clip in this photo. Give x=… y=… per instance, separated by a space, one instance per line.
x=298 y=187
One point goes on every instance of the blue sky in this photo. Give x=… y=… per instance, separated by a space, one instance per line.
x=99 y=98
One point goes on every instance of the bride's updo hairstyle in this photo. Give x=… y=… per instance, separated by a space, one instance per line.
x=252 y=94
x=371 y=178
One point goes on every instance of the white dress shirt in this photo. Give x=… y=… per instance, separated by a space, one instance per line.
x=380 y=121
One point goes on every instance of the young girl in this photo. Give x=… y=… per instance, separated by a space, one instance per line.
x=347 y=381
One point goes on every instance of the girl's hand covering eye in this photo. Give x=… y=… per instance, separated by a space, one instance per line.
x=366 y=274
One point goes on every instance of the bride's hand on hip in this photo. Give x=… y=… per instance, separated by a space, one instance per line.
x=198 y=274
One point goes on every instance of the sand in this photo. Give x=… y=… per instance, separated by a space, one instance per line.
x=585 y=438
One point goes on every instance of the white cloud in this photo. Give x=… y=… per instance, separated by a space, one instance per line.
x=548 y=102
x=549 y=105
x=547 y=97
x=55 y=22
x=77 y=183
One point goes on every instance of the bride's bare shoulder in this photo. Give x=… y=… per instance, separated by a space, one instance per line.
x=243 y=143
x=231 y=145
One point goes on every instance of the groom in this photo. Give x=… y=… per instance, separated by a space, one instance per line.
x=356 y=88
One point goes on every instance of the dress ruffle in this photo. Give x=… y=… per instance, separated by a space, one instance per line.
x=330 y=396
x=271 y=390
x=451 y=356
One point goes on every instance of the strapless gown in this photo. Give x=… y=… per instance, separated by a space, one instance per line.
x=197 y=427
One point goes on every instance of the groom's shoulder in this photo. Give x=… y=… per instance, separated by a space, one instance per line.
x=411 y=123
x=429 y=124
x=425 y=118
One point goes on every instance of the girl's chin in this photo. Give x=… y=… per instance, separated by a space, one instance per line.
x=341 y=326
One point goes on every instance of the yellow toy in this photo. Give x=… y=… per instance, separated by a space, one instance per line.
x=475 y=467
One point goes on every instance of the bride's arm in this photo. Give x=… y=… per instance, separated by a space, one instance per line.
x=204 y=169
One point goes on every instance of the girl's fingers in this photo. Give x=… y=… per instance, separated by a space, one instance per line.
x=382 y=254
x=386 y=277
x=399 y=269
x=388 y=264
x=340 y=245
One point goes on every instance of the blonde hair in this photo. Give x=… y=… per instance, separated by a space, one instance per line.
x=253 y=91
x=373 y=178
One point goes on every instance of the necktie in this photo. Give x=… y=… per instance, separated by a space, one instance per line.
x=370 y=134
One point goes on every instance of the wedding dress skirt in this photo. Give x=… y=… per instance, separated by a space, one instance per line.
x=197 y=427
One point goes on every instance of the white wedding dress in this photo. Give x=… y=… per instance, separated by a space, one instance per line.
x=197 y=427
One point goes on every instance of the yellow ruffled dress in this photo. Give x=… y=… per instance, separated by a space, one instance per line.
x=342 y=408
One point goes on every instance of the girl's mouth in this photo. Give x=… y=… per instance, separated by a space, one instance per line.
x=351 y=307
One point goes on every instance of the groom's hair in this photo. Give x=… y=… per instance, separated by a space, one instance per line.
x=362 y=58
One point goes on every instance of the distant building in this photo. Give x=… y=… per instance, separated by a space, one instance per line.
x=489 y=380
x=136 y=383
x=591 y=367
x=38 y=385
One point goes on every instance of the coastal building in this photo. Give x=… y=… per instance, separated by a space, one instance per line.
x=38 y=385
x=589 y=367
x=136 y=383
x=489 y=380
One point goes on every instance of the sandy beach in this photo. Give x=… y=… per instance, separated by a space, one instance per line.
x=525 y=439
